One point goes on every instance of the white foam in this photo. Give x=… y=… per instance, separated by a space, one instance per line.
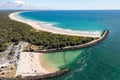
x=44 y=26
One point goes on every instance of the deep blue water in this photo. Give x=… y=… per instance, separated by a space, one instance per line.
x=99 y=62
x=75 y=20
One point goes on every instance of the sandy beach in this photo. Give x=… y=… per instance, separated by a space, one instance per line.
x=49 y=28
x=29 y=64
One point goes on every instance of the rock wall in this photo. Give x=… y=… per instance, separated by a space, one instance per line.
x=103 y=36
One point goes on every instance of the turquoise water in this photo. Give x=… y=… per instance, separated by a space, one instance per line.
x=75 y=20
x=57 y=60
x=99 y=62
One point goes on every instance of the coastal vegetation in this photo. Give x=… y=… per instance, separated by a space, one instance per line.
x=14 y=32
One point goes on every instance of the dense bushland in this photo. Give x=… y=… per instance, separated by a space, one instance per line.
x=13 y=31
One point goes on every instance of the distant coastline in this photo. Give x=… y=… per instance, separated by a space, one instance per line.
x=54 y=30
x=33 y=62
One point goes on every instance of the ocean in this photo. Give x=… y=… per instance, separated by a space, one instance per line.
x=99 y=62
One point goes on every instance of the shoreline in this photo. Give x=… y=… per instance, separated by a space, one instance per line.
x=32 y=61
x=32 y=65
x=47 y=67
x=68 y=48
x=48 y=28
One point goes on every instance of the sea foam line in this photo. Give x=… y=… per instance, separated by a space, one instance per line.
x=39 y=25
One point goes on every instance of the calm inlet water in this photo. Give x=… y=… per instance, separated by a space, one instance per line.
x=99 y=62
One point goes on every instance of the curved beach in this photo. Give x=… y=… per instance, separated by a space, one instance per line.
x=45 y=27
x=32 y=65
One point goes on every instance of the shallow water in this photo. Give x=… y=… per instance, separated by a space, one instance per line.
x=99 y=62
x=60 y=60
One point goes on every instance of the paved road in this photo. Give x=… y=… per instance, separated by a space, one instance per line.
x=5 y=59
x=17 y=52
x=9 y=49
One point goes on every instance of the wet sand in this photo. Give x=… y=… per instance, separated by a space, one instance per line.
x=49 y=28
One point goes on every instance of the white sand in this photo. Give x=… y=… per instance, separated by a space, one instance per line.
x=49 y=28
x=29 y=64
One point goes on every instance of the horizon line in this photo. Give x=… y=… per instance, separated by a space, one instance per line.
x=58 y=9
